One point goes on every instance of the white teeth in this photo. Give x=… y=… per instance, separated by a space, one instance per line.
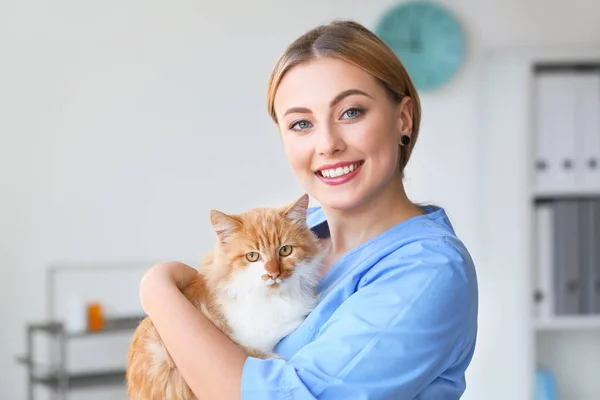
x=335 y=172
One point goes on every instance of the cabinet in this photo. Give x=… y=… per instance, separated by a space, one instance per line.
x=56 y=377
x=561 y=337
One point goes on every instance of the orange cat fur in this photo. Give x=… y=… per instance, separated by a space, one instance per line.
x=256 y=286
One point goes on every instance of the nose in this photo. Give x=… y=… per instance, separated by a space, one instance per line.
x=272 y=269
x=329 y=141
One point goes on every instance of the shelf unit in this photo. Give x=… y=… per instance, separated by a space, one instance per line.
x=57 y=378
x=567 y=323
x=568 y=345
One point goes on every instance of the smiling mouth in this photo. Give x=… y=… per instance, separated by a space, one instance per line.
x=339 y=171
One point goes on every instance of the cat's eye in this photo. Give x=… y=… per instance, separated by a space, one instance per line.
x=285 y=251
x=253 y=256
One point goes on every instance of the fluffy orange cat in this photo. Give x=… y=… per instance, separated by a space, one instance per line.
x=256 y=286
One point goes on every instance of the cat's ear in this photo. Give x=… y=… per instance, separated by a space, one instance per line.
x=296 y=212
x=223 y=224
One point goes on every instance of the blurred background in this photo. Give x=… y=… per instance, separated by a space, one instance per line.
x=123 y=123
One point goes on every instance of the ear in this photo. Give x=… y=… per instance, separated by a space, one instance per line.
x=296 y=212
x=404 y=114
x=223 y=224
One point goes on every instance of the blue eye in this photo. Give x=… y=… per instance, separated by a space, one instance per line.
x=353 y=113
x=300 y=125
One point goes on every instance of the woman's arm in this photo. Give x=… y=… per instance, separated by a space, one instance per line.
x=208 y=360
x=408 y=331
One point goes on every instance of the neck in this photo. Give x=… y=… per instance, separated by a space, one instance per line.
x=351 y=228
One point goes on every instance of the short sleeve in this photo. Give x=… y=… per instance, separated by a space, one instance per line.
x=405 y=325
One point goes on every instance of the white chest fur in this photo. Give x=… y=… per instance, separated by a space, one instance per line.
x=261 y=316
x=261 y=322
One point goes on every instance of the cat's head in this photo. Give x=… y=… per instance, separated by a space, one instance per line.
x=266 y=248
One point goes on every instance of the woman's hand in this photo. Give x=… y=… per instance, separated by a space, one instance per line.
x=164 y=275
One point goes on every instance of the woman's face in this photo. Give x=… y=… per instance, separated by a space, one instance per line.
x=340 y=131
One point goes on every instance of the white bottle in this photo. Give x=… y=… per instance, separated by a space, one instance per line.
x=76 y=318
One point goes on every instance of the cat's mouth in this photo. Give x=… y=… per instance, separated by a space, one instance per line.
x=340 y=169
x=270 y=281
x=273 y=283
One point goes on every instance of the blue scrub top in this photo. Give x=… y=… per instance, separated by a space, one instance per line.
x=397 y=319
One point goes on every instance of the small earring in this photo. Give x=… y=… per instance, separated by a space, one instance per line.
x=405 y=140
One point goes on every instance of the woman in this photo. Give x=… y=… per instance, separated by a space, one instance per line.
x=398 y=315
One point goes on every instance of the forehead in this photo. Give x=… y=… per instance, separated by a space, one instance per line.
x=317 y=82
x=265 y=228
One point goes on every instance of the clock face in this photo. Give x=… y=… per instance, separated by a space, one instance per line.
x=427 y=39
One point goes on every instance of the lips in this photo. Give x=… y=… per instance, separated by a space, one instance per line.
x=340 y=169
x=339 y=173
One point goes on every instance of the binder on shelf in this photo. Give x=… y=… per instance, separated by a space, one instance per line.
x=586 y=221
x=587 y=90
x=544 y=260
x=567 y=258
x=555 y=131
x=592 y=286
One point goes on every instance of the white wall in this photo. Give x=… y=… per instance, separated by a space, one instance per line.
x=122 y=123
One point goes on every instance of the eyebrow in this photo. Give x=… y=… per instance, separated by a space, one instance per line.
x=333 y=102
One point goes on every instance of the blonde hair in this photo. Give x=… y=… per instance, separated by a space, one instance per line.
x=351 y=42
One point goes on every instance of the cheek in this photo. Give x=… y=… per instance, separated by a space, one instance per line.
x=247 y=273
x=239 y=265
x=255 y=270
x=300 y=254
x=378 y=140
x=299 y=153
x=287 y=266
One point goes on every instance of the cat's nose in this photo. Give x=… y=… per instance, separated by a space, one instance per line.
x=273 y=274
x=272 y=269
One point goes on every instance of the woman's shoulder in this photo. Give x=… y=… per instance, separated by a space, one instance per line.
x=420 y=248
x=432 y=231
x=424 y=243
x=425 y=259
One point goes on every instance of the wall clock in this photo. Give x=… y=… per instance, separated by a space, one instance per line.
x=428 y=39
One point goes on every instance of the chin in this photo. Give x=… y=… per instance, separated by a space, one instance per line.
x=350 y=198
x=345 y=196
x=339 y=202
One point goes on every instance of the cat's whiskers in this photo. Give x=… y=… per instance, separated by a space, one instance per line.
x=269 y=281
